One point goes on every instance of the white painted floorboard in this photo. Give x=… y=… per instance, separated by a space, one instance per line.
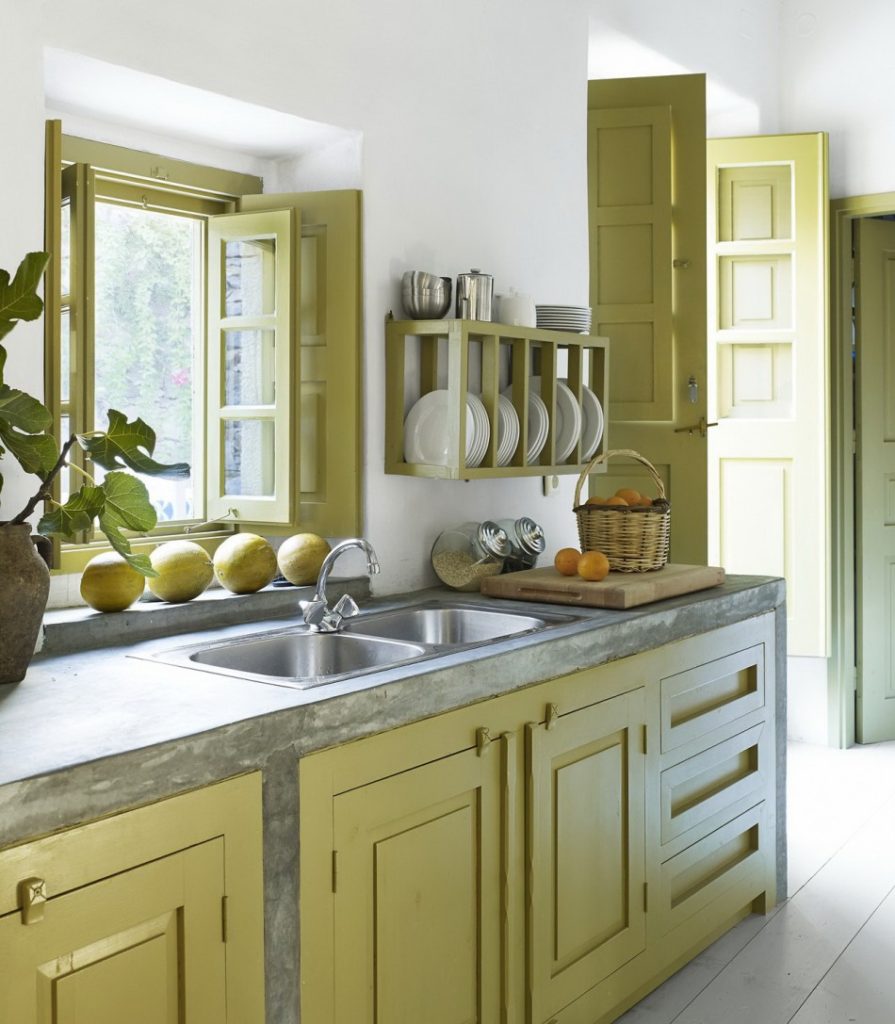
x=826 y=955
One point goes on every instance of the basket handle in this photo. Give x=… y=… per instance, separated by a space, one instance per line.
x=597 y=459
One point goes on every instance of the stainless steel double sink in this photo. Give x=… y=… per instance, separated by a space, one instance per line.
x=298 y=657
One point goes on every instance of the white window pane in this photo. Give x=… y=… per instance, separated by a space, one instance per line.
x=249 y=369
x=147 y=334
x=249 y=457
x=250 y=278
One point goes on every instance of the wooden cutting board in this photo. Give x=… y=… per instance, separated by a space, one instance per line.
x=618 y=590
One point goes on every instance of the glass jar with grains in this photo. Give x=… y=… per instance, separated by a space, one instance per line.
x=465 y=554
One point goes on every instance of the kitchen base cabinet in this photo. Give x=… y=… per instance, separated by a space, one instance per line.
x=151 y=916
x=547 y=856
x=586 y=848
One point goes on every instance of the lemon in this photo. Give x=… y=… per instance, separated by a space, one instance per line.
x=245 y=563
x=300 y=557
x=184 y=571
x=109 y=584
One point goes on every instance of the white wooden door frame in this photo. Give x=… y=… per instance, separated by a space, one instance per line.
x=842 y=675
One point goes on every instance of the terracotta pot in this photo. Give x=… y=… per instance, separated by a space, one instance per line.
x=24 y=586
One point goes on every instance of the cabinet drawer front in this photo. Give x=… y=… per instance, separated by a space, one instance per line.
x=704 y=698
x=696 y=789
x=735 y=856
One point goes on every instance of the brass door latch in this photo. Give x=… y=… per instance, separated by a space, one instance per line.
x=700 y=428
x=32 y=899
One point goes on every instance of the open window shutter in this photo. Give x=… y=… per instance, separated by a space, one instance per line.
x=252 y=463
x=329 y=422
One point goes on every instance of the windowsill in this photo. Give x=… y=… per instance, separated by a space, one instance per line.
x=67 y=630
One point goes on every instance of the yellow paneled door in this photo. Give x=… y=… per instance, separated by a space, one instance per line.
x=141 y=947
x=768 y=358
x=586 y=849
x=646 y=189
x=875 y=478
x=417 y=895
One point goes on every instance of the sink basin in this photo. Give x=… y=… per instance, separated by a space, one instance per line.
x=444 y=626
x=297 y=658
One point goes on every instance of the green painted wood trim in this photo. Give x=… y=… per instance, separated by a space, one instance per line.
x=332 y=358
x=278 y=507
x=842 y=675
x=533 y=351
x=162 y=170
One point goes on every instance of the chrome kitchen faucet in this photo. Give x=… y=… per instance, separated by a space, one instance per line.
x=317 y=613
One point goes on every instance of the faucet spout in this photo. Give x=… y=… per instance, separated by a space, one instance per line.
x=317 y=613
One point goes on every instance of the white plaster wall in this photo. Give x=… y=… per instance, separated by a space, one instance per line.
x=839 y=76
x=474 y=153
x=735 y=45
x=21 y=204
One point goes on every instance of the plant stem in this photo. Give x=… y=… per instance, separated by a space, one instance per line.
x=43 y=492
x=83 y=472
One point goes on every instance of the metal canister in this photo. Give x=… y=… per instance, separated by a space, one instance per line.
x=527 y=541
x=474 y=293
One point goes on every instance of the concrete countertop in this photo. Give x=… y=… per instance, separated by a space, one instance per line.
x=89 y=733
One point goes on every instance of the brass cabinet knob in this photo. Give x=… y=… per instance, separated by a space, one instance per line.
x=32 y=899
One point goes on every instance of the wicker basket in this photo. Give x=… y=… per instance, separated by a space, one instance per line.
x=634 y=539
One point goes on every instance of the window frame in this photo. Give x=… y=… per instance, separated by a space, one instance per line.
x=120 y=176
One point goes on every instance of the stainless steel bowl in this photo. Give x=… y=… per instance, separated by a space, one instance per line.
x=425 y=296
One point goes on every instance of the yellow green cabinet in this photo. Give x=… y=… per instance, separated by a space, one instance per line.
x=417 y=894
x=586 y=848
x=151 y=916
x=549 y=855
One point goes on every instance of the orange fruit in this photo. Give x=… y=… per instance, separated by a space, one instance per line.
x=593 y=565
x=566 y=561
x=631 y=496
x=615 y=500
x=645 y=501
x=595 y=501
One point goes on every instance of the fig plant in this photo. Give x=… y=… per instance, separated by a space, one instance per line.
x=120 y=501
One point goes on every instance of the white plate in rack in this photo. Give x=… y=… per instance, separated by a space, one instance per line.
x=508 y=431
x=592 y=430
x=482 y=430
x=426 y=430
x=569 y=420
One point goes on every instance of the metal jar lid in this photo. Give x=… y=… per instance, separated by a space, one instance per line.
x=493 y=539
x=530 y=536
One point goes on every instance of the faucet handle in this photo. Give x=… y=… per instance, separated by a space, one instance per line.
x=346 y=607
x=313 y=611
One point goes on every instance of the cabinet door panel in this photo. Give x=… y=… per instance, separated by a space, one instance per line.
x=144 y=947
x=417 y=913
x=586 y=849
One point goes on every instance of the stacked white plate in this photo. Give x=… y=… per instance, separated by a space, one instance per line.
x=507 y=430
x=591 y=420
x=569 y=419
x=538 y=420
x=576 y=319
x=481 y=432
x=426 y=430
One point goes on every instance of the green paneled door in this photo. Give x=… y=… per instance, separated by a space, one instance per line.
x=646 y=187
x=875 y=478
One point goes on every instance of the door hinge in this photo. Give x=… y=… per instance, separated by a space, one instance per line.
x=335 y=869
x=225 y=919
x=645 y=897
x=644 y=736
